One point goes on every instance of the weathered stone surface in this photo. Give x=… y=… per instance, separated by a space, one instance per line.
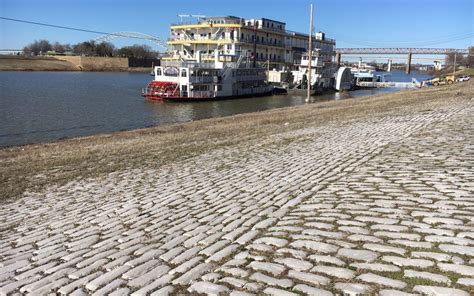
x=400 y=261
x=319 y=247
x=352 y=289
x=327 y=259
x=380 y=280
x=463 y=250
x=439 y=291
x=386 y=292
x=307 y=290
x=431 y=255
x=273 y=268
x=267 y=280
x=308 y=277
x=457 y=268
x=278 y=292
x=338 y=272
x=208 y=288
x=384 y=249
x=359 y=255
x=438 y=278
x=295 y=264
x=466 y=282
x=376 y=267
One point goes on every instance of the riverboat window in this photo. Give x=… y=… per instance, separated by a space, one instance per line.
x=183 y=73
x=219 y=87
x=158 y=71
x=201 y=87
x=171 y=72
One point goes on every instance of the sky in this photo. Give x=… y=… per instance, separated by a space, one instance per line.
x=353 y=23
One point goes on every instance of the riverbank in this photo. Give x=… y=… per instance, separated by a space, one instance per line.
x=35 y=166
x=67 y=63
x=372 y=194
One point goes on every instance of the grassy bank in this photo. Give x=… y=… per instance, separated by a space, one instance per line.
x=20 y=63
x=35 y=166
x=68 y=63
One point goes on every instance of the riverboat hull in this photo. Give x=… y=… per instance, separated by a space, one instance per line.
x=206 y=99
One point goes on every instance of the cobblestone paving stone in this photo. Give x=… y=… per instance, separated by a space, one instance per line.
x=377 y=205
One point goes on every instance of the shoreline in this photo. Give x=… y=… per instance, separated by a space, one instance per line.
x=38 y=165
x=315 y=98
x=68 y=63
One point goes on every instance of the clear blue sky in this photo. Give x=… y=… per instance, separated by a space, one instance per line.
x=353 y=23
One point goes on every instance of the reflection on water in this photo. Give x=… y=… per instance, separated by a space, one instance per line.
x=44 y=106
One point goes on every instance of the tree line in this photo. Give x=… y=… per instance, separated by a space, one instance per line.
x=461 y=60
x=90 y=48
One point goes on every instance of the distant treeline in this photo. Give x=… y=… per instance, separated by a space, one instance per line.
x=90 y=48
x=460 y=59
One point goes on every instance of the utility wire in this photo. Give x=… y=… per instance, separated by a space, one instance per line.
x=68 y=28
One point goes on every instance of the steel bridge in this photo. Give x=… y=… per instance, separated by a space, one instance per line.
x=398 y=50
x=135 y=35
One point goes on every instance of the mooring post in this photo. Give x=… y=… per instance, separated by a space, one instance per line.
x=409 y=63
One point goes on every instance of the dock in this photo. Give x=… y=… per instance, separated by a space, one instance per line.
x=413 y=84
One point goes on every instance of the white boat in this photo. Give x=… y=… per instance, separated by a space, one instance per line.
x=366 y=73
x=324 y=76
x=322 y=73
x=226 y=77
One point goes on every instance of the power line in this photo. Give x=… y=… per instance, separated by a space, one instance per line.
x=67 y=28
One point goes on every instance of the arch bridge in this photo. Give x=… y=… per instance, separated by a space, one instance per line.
x=134 y=35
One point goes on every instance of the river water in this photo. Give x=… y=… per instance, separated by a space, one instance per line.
x=37 y=107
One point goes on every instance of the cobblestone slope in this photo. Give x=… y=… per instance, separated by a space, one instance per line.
x=382 y=205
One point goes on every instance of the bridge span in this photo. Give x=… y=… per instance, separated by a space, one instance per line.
x=410 y=51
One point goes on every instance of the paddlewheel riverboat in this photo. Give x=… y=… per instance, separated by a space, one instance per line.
x=228 y=76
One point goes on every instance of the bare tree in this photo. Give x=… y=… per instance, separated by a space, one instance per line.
x=470 y=57
x=137 y=51
x=86 y=48
x=38 y=47
x=59 y=48
x=105 y=49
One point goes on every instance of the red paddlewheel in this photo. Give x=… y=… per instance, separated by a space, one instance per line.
x=156 y=90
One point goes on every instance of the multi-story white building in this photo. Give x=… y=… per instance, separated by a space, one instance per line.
x=269 y=39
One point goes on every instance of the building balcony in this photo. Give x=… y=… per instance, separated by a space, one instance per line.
x=260 y=42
